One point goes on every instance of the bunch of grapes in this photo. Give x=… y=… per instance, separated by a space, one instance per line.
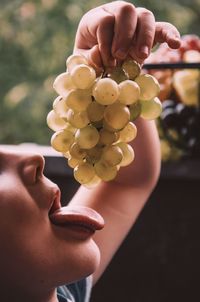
x=93 y=116
x=181 y=126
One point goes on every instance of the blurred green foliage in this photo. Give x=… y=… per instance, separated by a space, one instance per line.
x=35 y=39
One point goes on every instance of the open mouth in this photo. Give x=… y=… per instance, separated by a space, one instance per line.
x=75 y=217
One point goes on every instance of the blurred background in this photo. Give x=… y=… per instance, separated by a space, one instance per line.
x=163 y=248
x=35 y=39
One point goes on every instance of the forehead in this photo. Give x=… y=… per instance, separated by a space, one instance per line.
x=5 y=149
x=3 y=153
x=13 y=150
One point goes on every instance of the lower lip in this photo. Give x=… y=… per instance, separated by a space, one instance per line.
x=75 y=231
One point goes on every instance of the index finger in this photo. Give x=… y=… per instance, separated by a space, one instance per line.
x=124 y=28
x=144 y=36
x=166 y=32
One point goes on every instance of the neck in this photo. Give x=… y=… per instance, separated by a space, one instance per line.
x=10 y=295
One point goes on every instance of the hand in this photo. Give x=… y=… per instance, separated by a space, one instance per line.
x=113 y=31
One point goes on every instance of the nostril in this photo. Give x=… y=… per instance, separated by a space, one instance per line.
x=39 y=168
x=32 y=168
x=38 y=173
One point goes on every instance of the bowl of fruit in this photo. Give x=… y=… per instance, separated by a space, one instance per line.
x=179 y=78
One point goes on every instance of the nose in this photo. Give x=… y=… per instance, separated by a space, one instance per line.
x=31 y=168
x=28 y=165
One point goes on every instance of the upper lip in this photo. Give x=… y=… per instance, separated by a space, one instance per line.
x=73 y=214
x=55 y=203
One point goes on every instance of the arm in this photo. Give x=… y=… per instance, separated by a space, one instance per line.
x=99 y=37
x=120 y=201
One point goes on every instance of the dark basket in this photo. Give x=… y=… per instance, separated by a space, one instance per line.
x=182 y=130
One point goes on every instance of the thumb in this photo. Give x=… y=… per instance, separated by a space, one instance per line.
x=93 y=56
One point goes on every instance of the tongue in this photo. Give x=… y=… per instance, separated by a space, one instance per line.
x=77 y=214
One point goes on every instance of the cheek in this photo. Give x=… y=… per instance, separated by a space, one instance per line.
x=35 y=255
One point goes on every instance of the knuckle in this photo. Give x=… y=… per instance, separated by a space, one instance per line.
x=126 y=8
x=108 y=20
x=148 y=38
x=128 y=37
x=146 y=13
x=148 y=33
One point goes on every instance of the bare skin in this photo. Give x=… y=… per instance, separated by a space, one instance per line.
x=100 y=37
x=37 y=255
x=115 y=30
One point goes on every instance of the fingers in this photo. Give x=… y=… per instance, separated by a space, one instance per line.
x=116 y=30
x=144 y=36
x=93 y=57
x=124 y=30
x=166 y=32
x=105 y=32
x=96 y=28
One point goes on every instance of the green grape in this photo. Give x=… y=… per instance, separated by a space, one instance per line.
x=135 y=111
x=87 y=137
x=128 y=133
x=54 y=122
x=112 y=155
x=105 y=172
x=63 y=84
x=117 y=74
x=128 y=154
x=84 y=173
x=75 y=60
x=60 y=106
x=95 y=111
x=151 y=109
x=93 y=117
x=129 y=92
x=105 y=91
x=73 y=162
x=93 y=183
x=149 y=87
x=117 y=116
x=61 y=140
x=77 y=119
x=83 y=76
x=76 y=152
x=107 y=137
x=94 y=154
x=131 y=68
x=78 y=99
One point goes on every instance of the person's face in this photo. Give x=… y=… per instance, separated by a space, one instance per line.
x=36 y=252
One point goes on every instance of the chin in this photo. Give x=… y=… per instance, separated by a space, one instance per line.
x=93 y=258
x=89 y=260
x=85 y=261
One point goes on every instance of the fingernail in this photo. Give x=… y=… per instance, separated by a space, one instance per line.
x=177 y=40
x=174 y=43
x=144 y=50
x=121 y=53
